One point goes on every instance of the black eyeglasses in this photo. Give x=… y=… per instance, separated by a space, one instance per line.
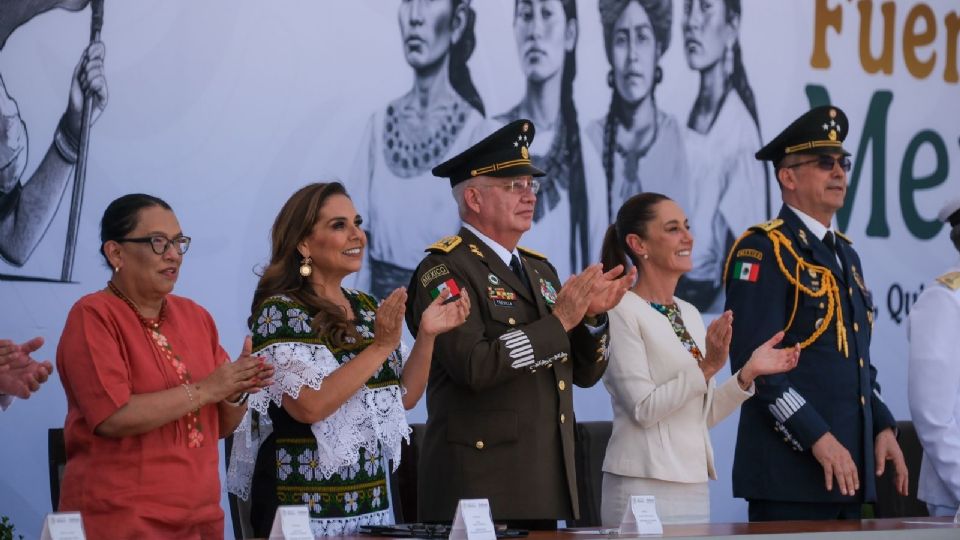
x=825 y=163
x=160 y=244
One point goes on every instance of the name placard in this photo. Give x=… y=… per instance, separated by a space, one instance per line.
x=473 y=521
x=640 y=516
x=291 y=523
x=63 y=526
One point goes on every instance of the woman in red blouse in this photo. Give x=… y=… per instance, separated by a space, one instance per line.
x=149 y=389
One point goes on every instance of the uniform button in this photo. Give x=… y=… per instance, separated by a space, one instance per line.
x=861 y=362
x=562 y=385
x=856 y=327
x=863 y=401
x=822 y=306
x=818 y=323
x=479 y=445
x=850 y=290
x=562 y=418
x=511 y=320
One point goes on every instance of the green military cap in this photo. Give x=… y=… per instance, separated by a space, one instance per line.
x=506 y=152
x=818 y=131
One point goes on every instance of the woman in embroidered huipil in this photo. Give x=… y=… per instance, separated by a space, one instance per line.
x=149 y=389
x=570 y=215
x=324 y=432
x=638 y=146
x=441 y=116
x=729 y=186
x=661 y=371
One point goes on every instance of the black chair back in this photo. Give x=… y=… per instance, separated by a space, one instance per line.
x=239 y=508
x=891 y=504
x=403 y=482
x=57 y=460
x=590 y=447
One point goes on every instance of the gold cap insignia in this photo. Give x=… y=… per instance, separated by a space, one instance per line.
x=524 y=152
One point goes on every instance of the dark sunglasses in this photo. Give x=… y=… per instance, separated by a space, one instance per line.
x=160 y=244
x=825 y=163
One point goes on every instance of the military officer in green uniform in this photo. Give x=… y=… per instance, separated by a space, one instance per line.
x=500 y=422
x=811 y=441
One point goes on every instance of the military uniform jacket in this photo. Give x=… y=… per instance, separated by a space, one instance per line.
x=933 y=387
x=500 y=421
x=833 y=388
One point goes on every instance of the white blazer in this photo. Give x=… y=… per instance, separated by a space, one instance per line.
x=662 y=406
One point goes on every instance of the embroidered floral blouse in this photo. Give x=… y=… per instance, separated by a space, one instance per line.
x=336 y=466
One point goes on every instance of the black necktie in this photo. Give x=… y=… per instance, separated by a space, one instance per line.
x=518 y=271
x=830 y=242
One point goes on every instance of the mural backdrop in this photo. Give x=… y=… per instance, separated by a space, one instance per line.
x=225 y=108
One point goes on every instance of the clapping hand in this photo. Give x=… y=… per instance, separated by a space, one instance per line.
x=591 y=292
x=21 y=375
x=574 y=297
x=14 y=356
x=609 y=289
x=24 y=380
x=440 y=317
x=247 y=373
x=719 y=334
x=388 y=326
x=766 y=360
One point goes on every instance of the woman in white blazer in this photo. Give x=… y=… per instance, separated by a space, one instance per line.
x=661 y=370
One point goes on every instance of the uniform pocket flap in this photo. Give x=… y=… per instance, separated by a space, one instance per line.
x=482 y=429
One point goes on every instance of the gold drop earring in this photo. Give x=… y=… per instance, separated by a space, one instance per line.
x=305 y=267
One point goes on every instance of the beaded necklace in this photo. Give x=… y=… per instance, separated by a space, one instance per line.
x=152 y=326
x=672 y=313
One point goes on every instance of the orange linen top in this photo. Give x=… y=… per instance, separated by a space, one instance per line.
x=150 y=485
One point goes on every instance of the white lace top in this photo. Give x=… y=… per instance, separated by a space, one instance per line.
x=365 y=431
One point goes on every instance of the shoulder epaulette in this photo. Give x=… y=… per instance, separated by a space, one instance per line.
x=531 y=253
x=768 y=226
x=951 y=280
x=843 y=237
x=445 y=244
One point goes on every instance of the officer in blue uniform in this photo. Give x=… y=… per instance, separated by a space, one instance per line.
x=812 y=440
